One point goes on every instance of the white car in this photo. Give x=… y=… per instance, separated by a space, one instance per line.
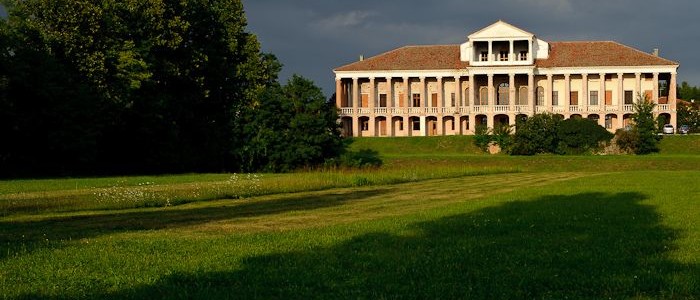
x=668 y=129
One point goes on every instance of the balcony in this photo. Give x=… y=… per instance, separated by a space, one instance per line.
x=501 y=108
x=464 y=110
x=522 y=108
x=610 y=108
x=449 y=110
x=481 y=108
x=540 y=109
x=557 y=109
x=575 y=109
x=664 y=107
x=346 y=111
x=628 y=108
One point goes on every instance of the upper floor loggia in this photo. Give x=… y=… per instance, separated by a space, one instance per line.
x=502 y=44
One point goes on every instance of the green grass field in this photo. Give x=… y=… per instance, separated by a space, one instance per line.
x=438 y=220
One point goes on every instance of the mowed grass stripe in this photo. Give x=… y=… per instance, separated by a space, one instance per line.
x=275 y=212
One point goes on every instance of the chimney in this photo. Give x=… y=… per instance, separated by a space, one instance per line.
x=362 y=57
x=655 y=52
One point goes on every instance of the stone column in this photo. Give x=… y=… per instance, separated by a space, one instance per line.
x=511 y=90
x=549 y=92
x=355 y=92
x=637 y=85
x=338 y=93
x=470 y=97
x=356 y=128
x=423 y=126
x=583 y=99
x=672 y=94
x=620 y=93
x=440 y=103
x=492 y=95
x=389 y=95
x=371 y=105
x=531 y=90
x=423 y=99
x=567 y=94
x=458 y=93
x=472 y=124
x=655 y=93
x=601 y=95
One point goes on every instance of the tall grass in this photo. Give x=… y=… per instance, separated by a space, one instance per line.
x=124 y=192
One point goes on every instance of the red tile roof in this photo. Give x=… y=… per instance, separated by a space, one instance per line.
x=432 y=57
x=561 y=54
x=600 y=53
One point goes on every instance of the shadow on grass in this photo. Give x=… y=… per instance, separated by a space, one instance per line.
x=32 y=234
x=590 y=245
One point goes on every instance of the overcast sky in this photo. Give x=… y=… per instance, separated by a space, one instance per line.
x=312 y=37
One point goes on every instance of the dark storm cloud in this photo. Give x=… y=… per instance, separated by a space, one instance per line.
x=311 y=37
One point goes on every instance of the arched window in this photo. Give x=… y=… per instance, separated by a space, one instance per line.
x=483 y=96
x=522 y=96
x=465 y=97
x=503 y=92
x=540 y=96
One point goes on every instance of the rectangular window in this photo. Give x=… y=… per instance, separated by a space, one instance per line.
x=523 y=55
x=484 y=56
x=629 y=97
x=416 y=100
x=593 y=98
x=540 y=96
x=382 y=100
x=452 y=97
x=503 y=56
x=555 y=98
x=416 y=124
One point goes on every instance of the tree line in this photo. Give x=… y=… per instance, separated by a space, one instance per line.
x=121 y=87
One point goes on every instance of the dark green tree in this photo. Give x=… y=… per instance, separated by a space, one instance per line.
x=127 y=86
x=292 y=126
x=538 y=134
x=645 y=125
x=581 y=135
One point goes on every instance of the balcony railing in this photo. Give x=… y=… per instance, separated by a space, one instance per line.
x=431 y=110
x=610 y=108
x=522 y=108
x=628 y=108
x=464 y=110
x=558 y=109
x=501 y=108
x=380 y=110
x=364 y=110
x=415 y=110
x=345 y=111
x=481 y=108
x=449 y=110
x=593 y=108
x=575 y=108
x=664 y=107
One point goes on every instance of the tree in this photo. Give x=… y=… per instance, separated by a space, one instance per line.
x=127 y=86
x=642 y=137
x=291 y=127
x=580 y=135
x=538 y=134
x=645 y=125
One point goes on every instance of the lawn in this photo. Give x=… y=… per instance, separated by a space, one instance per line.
x=446 y=225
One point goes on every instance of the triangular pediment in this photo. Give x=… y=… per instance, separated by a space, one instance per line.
x=500 y=29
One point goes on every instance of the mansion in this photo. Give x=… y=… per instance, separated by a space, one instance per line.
x=499 y=75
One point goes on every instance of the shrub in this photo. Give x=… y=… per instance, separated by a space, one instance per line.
x=578 y=136
x=502 y=136
x=645 y=126
x=538 y=134
x=482 y=137
x=363 y=158
x=627 y=140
